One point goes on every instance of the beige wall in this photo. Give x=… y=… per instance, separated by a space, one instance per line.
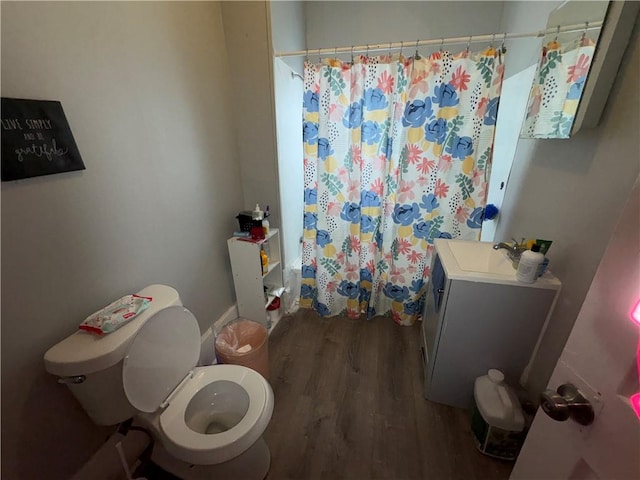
x=246 y=28
x=145 y=89
x=570 y=191
x=288 y=30
x=339 y=24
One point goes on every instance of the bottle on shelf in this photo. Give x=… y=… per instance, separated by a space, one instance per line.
x=529 y=262
x=264 y=259
x=265 y=221
x=257 y=214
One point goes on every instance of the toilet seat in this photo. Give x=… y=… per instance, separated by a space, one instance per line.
x=206 y=449
x=159 y=372
x=160 y=357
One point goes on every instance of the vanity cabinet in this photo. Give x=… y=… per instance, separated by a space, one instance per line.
x=474 y=321
x=254 y=290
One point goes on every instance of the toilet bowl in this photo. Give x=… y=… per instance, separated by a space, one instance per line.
x=217 y=416
x=207 y=421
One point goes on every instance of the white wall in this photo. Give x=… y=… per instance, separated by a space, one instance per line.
x=339 y=24
x=246 y=27
x=288 y=34
x=522 y=57
x=145 y=89
x=288 y=89
x=570 y=191
x=288 y=30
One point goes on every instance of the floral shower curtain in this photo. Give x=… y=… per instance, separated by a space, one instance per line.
x=397 y=153
x=557 y=88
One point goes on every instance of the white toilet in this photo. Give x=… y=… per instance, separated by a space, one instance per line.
x=207 y=421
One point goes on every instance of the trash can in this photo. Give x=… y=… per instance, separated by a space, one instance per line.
x=245 y=343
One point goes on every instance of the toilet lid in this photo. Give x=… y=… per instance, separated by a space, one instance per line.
x=161 y=354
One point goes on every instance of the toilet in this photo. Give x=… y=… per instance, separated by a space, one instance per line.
x=207 y=422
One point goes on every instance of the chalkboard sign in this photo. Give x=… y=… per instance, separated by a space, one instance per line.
x=36 y=139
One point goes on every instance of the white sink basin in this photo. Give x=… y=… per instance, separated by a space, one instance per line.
x=481 y=257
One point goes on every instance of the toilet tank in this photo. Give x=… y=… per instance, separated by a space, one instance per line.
x=95 y=361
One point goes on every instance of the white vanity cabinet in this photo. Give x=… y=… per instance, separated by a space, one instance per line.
x=476 y=319
x=249 y=281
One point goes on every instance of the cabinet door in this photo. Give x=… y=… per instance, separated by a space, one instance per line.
x=431 y=323
x=485 y=326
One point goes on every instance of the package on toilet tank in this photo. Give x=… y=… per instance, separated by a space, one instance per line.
x=497 y=422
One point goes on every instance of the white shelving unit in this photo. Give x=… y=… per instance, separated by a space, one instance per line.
x=248 y=280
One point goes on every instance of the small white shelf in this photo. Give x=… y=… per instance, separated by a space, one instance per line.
x=271 y=267
x=248 y=280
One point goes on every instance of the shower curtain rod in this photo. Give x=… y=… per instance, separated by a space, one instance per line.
x=578 y=27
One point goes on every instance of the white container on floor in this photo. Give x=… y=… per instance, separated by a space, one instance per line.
x=497 y=421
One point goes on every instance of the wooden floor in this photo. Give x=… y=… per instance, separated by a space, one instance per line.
x=349 y=404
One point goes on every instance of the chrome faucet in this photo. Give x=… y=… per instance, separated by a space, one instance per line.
x=514 y=250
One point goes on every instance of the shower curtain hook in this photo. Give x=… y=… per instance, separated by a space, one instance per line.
x=468 y=44
x=390 y=43
x=335 y=53
x=584 y=32
x=493 y=40
x=557 y=33
x=401 y=47
x=504 y=39
x=367 y=53
x=441 y=44
x=351 y=53
x=417 y=55
x=319 y=56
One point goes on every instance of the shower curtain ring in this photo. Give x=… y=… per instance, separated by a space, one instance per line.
x=417 y=55
x=401 y=47
x=468 y=44
x=504 y=39
x=557 y=33
x=441 y=44
x=584 y=32
x=390 y=43
x=351 y=53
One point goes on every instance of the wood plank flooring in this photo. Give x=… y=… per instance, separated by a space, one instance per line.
x=349 y=405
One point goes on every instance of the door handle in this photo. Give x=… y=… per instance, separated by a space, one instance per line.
x=567 y=403
x=440 y=292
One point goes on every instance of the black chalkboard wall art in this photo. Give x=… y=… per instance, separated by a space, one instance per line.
x=36 y=139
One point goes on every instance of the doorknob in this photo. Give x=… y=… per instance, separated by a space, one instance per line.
x=567 y=402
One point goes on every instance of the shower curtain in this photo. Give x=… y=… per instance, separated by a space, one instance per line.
x=559 y=81
x=397 y=152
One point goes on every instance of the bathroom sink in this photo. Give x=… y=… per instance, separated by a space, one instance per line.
x=481 y=257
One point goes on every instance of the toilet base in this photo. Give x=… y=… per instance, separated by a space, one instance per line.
x=253 y=464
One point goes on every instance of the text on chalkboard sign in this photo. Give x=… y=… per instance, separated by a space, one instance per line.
x=36 y=139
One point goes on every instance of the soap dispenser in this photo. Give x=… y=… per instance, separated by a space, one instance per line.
x=256 y=214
